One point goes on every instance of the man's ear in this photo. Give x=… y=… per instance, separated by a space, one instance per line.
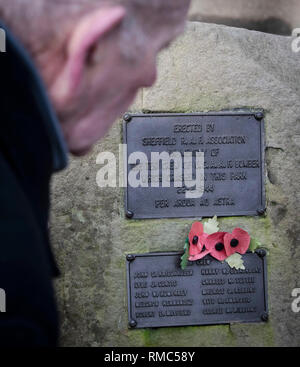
x=85 y=35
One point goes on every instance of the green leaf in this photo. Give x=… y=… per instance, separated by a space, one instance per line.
x=254 y=244
x=211 y=226
x=186 y=244
x=235 y=261
x=185 y=256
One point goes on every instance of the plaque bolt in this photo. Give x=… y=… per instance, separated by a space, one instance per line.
x=261 y=211
x=130 y=257
x=132 y=323
x=127 y=117
x=259 y=116
x=129 y=214
x=261 y=252
x=264 y=317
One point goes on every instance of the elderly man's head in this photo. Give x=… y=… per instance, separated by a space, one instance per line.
x=94 y=54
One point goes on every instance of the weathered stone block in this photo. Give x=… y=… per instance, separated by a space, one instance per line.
x=271 y=16
x=210 y=68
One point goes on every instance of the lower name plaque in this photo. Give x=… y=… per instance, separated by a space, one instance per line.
x=161 y=294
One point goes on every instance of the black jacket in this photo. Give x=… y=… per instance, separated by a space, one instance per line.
x=31 y=149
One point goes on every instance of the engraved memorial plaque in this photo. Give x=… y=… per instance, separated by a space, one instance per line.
x=161 y=294
x=233 y=147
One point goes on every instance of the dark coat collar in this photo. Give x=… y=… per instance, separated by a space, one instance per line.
x=33 y=81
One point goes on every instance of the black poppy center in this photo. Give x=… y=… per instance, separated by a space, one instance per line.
x=219 y=246
x=195 y=240
x=203 y=248
x=234 y=242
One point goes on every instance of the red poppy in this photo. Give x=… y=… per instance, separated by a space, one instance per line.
x=203 y=252
x=195 y=239
x=237 y=241
x=215 y=245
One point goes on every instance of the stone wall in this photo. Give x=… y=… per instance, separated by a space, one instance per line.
x=210 y=68
x=271 y=16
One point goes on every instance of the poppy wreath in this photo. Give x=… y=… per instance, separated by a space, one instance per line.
x=219 y=245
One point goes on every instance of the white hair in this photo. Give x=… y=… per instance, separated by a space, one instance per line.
x=38 y=22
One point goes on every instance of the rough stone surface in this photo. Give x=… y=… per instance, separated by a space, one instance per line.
x=210 y=68
x=271 y=16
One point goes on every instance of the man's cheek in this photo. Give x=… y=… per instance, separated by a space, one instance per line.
x=82 y=134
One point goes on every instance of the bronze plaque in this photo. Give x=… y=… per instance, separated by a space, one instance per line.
x=208 y=291
x=233 y=147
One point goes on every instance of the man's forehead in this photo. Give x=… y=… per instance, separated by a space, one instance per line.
x=158 y=5
x=169 y=10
